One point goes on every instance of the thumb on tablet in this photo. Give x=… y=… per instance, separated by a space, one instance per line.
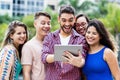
x=79 y=53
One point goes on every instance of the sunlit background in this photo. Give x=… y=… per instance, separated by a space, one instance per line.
x=108 y=11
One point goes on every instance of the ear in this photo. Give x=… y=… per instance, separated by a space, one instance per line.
x=34 y=23
x=11 y=36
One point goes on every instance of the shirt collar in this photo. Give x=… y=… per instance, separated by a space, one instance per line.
x=74 y=33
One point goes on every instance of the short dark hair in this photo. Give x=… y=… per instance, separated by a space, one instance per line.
x=37 y=14
x=66 y=9
x=82 y=15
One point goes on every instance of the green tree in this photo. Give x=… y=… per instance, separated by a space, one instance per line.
x=5 y=19
x=99 y=9
x=80 y=6
x=54 y=20
x=112 y=19
x=3 y=27
x=28 y=20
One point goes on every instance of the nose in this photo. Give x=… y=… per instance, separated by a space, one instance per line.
x=81 y=27
x=47 y=25
x=67 y=23
x=23 y=35
x=90 y=35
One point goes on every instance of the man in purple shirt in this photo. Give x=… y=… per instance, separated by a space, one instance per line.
x=58 y=70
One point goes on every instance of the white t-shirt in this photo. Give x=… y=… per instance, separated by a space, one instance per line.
x=64 y=41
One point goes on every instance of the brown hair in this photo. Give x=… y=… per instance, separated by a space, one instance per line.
x=11 y=30
x=37 y=14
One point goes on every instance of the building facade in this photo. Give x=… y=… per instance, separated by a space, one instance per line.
x=24 y=7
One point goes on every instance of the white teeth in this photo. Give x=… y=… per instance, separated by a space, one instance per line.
x=90 y=39
x=67 y=27
x=22 y=39
x=46 y=30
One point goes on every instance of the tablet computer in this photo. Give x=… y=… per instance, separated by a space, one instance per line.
x=59 y=50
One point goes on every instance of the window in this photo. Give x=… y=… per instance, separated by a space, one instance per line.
x=39 y=3
x=5 y=6
x=30 y=3
x=14 y=1
x=52 y=7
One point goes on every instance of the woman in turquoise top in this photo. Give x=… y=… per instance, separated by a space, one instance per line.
x=10 y=52
x=101 y=62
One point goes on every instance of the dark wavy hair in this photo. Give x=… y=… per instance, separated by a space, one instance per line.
x=104 y=34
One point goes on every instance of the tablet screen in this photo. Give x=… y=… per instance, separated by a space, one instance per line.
x=59 y=50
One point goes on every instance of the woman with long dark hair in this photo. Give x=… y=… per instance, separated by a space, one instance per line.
x=101 y=62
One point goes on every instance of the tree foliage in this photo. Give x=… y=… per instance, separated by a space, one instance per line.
x=54 y=20
x=112 y=19
x=80 y=6
x=99 y=9
x=5 y=18
x=3 y=27
x=28 y=20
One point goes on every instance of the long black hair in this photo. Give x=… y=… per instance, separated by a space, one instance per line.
x=104 y=34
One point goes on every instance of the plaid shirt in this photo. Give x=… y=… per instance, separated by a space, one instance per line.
x=54 y=71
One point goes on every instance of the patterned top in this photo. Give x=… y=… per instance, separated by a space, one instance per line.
x=10 y=66
x=54 y=71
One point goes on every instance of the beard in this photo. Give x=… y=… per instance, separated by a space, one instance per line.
x=67 y=29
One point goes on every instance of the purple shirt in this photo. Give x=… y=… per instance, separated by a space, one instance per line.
x=54 y=71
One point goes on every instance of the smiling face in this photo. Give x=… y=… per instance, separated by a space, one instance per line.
x=92 y=36
x=66 y=22
x=19 y=36
x=81 y=25
x=42 y=25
